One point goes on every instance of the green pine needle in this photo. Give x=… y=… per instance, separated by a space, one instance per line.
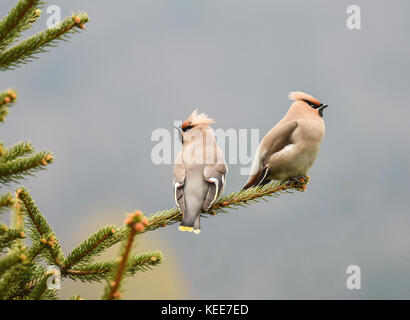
x=103 y=270
x=6 y=202
x=8 y=237
x=27 y=50
x=7 y=98
x=10 y=260
x=39 y=229
x=94 y=245
x=20 y=149
x=18 y=169
x=20 y=18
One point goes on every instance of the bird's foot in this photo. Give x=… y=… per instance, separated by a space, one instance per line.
x=298 y=181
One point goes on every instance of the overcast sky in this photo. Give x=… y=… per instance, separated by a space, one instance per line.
x=141 y=65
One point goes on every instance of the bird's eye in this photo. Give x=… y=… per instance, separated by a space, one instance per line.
x=187 y=128
x=310 y=103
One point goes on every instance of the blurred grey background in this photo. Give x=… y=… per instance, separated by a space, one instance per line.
x=143 y=64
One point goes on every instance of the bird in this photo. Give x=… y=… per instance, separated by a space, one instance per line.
x=199 y=171
x=290 y=148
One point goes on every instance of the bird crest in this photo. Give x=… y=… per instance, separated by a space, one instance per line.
x=196 y=119
x=301 y=96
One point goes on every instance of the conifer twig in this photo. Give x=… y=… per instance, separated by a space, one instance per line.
x=10 y=260
x=7 y=97
x=39 y=229
x=17 y=169
x=18 y=150
x=22 y=274
x=20 y=18
x=9 y=236
x=101 y=270
x=26 y=50
x=241 y=198
x=116 y=282
x=95 y=244
x=136 y=223
x=6 y=201
x=25 y=276
x=40 y=289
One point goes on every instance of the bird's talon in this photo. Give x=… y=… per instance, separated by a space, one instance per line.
x=299 y=181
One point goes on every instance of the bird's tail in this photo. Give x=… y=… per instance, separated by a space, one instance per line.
x=190 y=221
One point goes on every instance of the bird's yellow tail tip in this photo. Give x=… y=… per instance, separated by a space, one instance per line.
x=197 y=231
x=184 y=228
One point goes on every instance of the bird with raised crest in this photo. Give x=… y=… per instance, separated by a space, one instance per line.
x=290 y=148
x=199 y=172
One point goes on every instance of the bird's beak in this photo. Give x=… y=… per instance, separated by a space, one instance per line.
x=323 y=106
x=181 y=134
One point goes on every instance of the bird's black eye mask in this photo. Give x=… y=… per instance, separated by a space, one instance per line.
x=314 y=106
x=311 y=104
x=187 y=128
x=182 y=130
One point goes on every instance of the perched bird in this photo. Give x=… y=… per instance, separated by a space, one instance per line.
x=289 y=149
x=199 y=171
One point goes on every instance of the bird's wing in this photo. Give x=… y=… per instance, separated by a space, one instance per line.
x=274 y=141
x=216 y=176
x=278 y=138
x=179 y=180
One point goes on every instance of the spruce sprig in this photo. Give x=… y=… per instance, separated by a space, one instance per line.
x=94 y=245
x=136 y=224
x=20 y=149
x=22 y=274
x=6 y=202
x=18 y=169
x=20 y=18
x=7 y=98
x=39 y=229
x=241 y=198
x=102 y=270
x=26 y=50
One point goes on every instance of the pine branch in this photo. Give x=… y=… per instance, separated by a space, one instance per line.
x=94 y=245
x=10 y=260
x=241 y=198
x=39 y=230
x=6 y=202
x=12 y=280
x=18 y=169
x=40 y=290
x=77 y=266
x=35 y=250
x=19 y=19
x=21 y=282
x=22 y=274
x=112 y=289
x=143 y=262
x=20 y=149
x=7 y=97
x=27 y=50
x=17 y=221
x=103 y=270
x=8 y=237
x=136 y=223
x=93 y=272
